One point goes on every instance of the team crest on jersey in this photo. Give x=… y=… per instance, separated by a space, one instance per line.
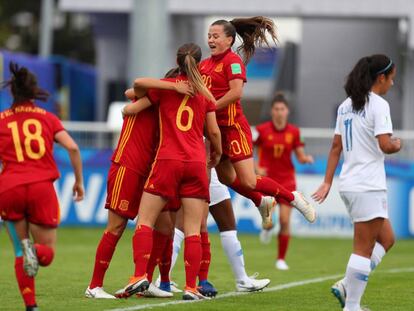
x=123 y=205
x=269 y=137
x=289 y=138
x=219 y=68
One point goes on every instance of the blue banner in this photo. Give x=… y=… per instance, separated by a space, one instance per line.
x=333 y=219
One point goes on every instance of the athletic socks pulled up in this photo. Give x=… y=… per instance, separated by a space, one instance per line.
x=234 y=253
x=158 y=246
x=283 y=243
x=142 y=247
x=205 y=257
x=26 y=283
x=192 y=259
x=357 y=273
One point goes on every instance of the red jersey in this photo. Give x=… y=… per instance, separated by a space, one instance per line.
x=26 y=145
x=217 y=72
x=181 y=121
x=138 y=141
x=275 y=151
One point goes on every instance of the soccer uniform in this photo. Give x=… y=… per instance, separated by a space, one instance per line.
x=218 y=191
x=180 y=167
x=26 y=151
x=217 y=72
x=362 y=181
x=275 y=149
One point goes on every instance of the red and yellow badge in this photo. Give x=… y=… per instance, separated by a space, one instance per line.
x=269 y=137
x=219 y=68
x=289 y=138
x=123 y=205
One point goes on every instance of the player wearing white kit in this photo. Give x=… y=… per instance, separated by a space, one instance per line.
x=219 y=196
x=363 y=132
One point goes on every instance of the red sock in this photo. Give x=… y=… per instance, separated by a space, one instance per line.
x=283 y=244
x=45 y=254
x=26 y=283
x=192 y=258
x=205 y=257
x=158 y=246
x=255 y=196
x=142 y=246
x=104 y=253
x=165 y=264
x=273 y=188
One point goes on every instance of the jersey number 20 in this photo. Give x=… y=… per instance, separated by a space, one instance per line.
x=29 y=136
x=178 y=121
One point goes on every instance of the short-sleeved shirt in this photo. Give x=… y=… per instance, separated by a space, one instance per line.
x=217 y=72
x=275 y=149
x=138 y=141
x=363 y=168
x=26 y=145
x=181 y=122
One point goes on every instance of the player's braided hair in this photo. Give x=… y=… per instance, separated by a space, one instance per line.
x=23 y=85
x=252 y=31
x=188 y=57
x=363 y=76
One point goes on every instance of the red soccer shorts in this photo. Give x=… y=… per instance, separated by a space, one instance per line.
x=173 y=178
x=236 y=140
x=36 y=202
x=124 y=191
x=173 y=205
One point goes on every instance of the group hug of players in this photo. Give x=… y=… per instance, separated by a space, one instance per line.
x=184 y=139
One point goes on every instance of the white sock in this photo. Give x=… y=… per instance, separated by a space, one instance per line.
x=377 y=255
x=357 y=273
x=178 y=241
x=234 y=252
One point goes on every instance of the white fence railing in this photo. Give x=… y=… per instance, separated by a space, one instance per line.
x=318 y=140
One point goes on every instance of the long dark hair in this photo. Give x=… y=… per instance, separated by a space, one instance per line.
x=23 y=85
x=188 y=58
x=363 y=76
x=252 y=32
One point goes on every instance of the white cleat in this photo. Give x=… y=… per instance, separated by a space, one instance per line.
x=155 y=292
x=30 y=261
x=303 y=206
x=339 y=291
x=173 y=286
x=266 y=236
x=252 y=284
x=98 y=293
x=265 y=210
x=190 y=294
x=281 y=265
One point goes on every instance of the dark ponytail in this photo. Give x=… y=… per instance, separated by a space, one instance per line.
x=252 y=32
x=23 y=85
x=363 y=76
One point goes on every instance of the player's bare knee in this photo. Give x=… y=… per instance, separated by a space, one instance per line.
x=116 y=228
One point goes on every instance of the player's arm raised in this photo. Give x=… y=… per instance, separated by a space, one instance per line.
x=233 y=95
x=142 y=85
x=64 y=139
x=214 y=136
x=334 y=155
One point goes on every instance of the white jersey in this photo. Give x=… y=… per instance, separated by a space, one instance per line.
x=363 y=168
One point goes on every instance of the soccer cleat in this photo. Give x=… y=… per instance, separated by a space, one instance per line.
x=303 y=206
x=265 y=236
x=30 y=261
x=155 y=292
x=281 y=265
x=193 y=294
x=32 y=308
x=98 y=293
x=135 y=285
x=360 y=309
x=339 y=291
x=252 y=284
x=165 y=286
x=207 y=289
x=173 y=287
x=265 y=210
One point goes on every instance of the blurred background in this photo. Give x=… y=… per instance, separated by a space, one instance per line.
x=87 y=52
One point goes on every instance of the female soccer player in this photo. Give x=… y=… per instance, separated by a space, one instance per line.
x=224 y=74
x=364 y=133
x=130 y=167
x=276 y=141
x=179 y=168
x=28 y=202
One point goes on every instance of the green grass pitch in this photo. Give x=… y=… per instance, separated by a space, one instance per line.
x=61 y=286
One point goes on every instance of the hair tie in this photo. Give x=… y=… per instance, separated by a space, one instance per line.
x=385 y=69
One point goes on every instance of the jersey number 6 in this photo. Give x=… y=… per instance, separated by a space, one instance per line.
x=29 y=137
x=178 y=121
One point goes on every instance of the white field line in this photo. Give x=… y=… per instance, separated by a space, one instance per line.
x=269 y=289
